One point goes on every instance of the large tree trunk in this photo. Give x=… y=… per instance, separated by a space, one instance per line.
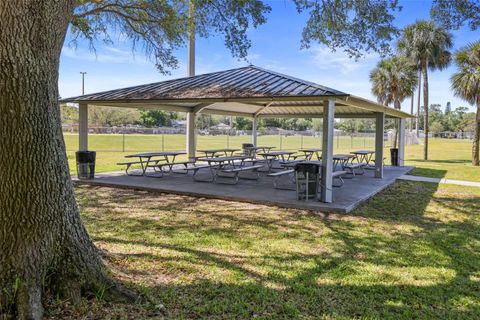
x=476 y=137
x=425 y=107
x=40 y=227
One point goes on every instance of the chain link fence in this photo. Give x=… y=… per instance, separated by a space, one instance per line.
x=133 y=139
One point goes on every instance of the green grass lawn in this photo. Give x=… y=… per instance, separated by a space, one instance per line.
x=448 y=158
x=412 y=252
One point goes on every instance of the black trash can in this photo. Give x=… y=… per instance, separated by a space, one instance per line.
x=246 y=151
x=85 y=164
x=394 y=156
x=246 y=145
x=307 y=179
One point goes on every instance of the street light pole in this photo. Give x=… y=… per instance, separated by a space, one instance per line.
x=83 y=81
x=191 y=42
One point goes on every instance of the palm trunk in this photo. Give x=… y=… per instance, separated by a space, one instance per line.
x=40 y=225
x=425 y=106
x=411 y=110
x=397 y=106
x=395 y=136
x=418 y=102
x=476 y=137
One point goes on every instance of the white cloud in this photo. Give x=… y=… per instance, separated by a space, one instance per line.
x=253 y=56
x=325 y=59
x=104 y=55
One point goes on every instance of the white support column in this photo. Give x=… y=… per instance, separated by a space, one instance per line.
x=379 y=132
x=191 y=134
x=327 y=151
x=83 y=127
x=401 y=142
x=254 y=131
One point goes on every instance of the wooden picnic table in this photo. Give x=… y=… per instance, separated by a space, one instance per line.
x=310 y=152
x=364 y=156
x=212 y=152
x=271 y=156
x=146 y=158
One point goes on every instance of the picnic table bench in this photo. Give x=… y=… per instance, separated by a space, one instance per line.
x=236 y=172
x=197 y=168
x=218 y=165
x=278 y=177
x=270 y=157
x=145 y=159
x=342 y=160
x=159 y=168
x=364 y=156
x=351 y=167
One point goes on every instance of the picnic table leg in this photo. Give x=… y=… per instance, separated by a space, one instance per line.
x=369 y=159
x=359 y=158
x=216 y=175
x=270 y=164
x=364 y=158
x=144 y=166
x=167 y=161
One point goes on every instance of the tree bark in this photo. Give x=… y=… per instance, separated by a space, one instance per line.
x=425 y=107
x=476 y=137
x=41 y=232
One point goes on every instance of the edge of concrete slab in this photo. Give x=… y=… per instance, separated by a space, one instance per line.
x=211 y=196
x=302 y=206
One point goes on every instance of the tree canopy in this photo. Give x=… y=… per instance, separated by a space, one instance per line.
x=466 y=84
x=454 y=13
x=355 y=26
x=393 y=80
x=161 y=26
x=466 y=81
x=426 y=44
x=158 y=27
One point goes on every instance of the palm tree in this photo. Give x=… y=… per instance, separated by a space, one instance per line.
x=427 y=45
x=466 y=85
x=393 y=80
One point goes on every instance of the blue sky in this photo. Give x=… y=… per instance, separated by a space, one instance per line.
x=275 y=46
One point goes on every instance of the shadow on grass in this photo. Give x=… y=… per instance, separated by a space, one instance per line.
x=394 y=257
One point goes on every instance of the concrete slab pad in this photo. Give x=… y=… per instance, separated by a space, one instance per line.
x=345 y=199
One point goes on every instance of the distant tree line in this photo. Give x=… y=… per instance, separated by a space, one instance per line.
x=457 y=120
